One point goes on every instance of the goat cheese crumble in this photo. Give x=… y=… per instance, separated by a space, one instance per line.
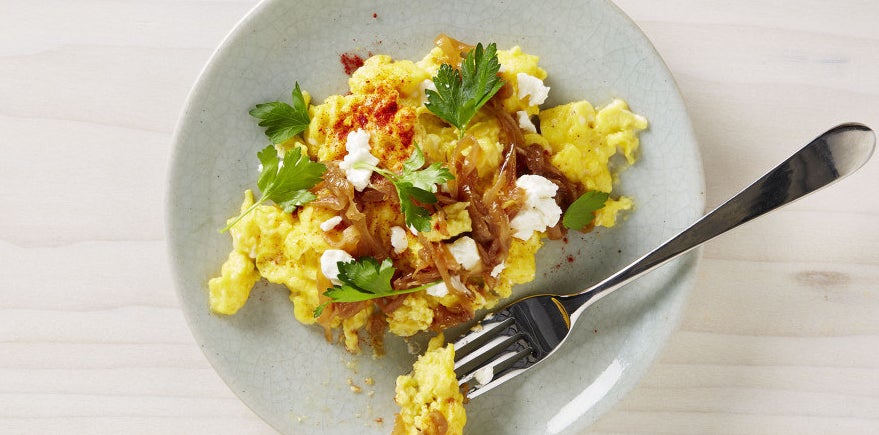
x=357 y=145
x=532 y=87
x=465 y=252
x=540 y=210
x=329 y=263
x=525 y=122
x=330 y=223
x=399 y=240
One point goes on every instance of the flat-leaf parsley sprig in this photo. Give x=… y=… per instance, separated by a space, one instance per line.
x=415 y=185
x=363 y=279
x=582 y=211
x=459 y=96
x=285 y=182
x=281 y=120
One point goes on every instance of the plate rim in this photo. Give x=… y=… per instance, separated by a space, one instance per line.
x=693 y=258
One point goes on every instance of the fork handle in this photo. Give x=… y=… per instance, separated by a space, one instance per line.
x=835 y=154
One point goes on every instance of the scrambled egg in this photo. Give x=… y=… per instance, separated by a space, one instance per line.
x=429 y=398
x=386 y=100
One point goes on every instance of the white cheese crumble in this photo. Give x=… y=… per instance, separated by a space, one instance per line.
x=525 y=122
x=329 y=263
x=496 y=271
x=398 y=239
x=440 y=289
x=465 y=252
x=533 y=87
x=330 y=223
x=423 y=87
x=357 y=145
x=540 y=210
x=484 y=375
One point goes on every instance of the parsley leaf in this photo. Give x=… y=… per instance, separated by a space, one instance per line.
x=416 y=184
x=416 y=216
x=286 y=182
x=283 y=121
x=582 y=211
x=366 y=276
x=424 y=179
x=459 y=96
x=293 y=174
x=364 y=279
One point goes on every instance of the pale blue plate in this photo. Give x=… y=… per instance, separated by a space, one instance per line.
x=286 y=372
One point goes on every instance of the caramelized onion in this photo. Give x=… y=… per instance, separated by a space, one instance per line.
x=444 y=317
x=376 y=326
x=490 y=202
x=344 y=310
x=390 y=304
x=380 y=190
x=346 y=240
x=463 y=167
x=336 y=193
x=416 y=278
x=452 y=48
x=510 y=133
x=481 y=229
x=437 y=423
x=439 y=256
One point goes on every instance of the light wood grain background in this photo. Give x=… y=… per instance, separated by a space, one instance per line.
x=781 y=334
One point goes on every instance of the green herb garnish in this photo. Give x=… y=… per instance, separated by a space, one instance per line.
x=582 y=211
x=286 y=182
x=364 y=279
x=281 y=120
x=415 y=185
x=459 y=96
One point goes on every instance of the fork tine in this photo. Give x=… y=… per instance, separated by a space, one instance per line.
x=476 y=391
x=486 y=352
x=487 y=373
x=465 y=345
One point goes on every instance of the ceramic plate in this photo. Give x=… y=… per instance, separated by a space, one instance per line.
x=286 y=372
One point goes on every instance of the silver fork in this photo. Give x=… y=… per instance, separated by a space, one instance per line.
x=508 y=342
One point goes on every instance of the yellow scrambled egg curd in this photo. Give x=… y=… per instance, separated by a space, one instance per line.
x=429 y=398
x=386 y=99
x=583 y=141
x=230 y=290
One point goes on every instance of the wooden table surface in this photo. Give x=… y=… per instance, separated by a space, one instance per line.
x=781 y=334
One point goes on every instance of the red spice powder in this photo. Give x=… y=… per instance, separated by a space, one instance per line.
x=350 y=62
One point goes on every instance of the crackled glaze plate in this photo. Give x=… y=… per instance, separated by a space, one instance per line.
x=286 y=372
